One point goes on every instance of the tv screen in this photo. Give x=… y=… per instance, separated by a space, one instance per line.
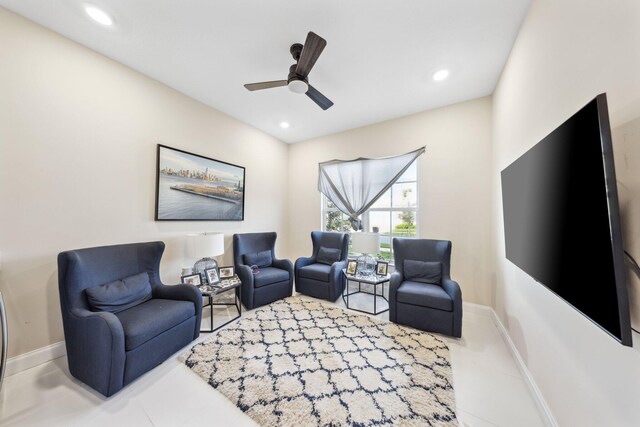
x=561 y=218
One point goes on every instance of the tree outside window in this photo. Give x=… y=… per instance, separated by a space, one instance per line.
x=335 y=220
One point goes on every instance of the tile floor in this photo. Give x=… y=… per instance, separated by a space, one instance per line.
x=488 y=386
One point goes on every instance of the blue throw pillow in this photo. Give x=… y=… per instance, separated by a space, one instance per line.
x=261 y=259
x=422 y=271
x=328 y=255
x=120 y=295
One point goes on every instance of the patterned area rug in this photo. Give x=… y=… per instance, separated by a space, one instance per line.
x=299 y=362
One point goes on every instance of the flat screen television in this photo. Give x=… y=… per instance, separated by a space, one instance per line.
x=562 y=221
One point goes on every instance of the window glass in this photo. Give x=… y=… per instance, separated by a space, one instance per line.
x=405 y=195
x=336 y=221
x=403 y=223
x=384 y=201
x=410 y=174
x=393 y=215
x=379 y=222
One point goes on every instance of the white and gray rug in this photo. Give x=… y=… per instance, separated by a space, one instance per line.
x=299 y=362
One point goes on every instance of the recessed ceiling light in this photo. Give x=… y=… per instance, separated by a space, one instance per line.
x=440 y=75
x=284 y=125
x=98 y=15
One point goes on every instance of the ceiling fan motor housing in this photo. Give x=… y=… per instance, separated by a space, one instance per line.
x=295 y=82
x=296 y=50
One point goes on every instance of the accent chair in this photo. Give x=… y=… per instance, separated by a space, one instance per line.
x=320 y=275
x=421 y=292
x=119 y=319
x=274 y=279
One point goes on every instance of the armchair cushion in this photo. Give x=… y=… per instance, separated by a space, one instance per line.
x=423 y=271
x=270 y=275
x=149 y=319
x=425 y=295
x=120 y=295
x=316 y=271
x=328 y=255
x=261 y=259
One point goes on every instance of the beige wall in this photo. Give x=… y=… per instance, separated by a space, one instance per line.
x=78 y=135
x=454 y=183
x=566 y=53
x=626 y=142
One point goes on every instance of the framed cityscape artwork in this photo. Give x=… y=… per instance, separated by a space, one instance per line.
x=190 y=187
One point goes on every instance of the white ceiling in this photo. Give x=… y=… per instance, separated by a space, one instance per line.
x=377 y=65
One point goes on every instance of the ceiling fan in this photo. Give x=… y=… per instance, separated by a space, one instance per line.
x=305 y=57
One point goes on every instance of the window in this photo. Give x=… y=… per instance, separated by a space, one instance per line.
x=392 y=215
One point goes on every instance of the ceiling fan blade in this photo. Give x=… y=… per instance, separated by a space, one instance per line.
x=322 y=101
x=312 y=49
x=265 y=85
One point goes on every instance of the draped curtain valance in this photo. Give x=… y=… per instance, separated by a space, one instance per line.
x=354 y=185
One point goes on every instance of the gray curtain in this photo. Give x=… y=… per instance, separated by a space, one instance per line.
x=354 y=185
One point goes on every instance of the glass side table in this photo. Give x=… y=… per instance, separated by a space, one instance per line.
x=373 y=280
x=225 y=285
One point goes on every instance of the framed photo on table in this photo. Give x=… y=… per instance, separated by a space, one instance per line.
x=381 y=268
x=227 y=272
x=191 y=279
x=352 y=267
x=212 y=276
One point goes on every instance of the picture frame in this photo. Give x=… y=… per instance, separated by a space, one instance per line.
x=352 y=267
x=191 y=187
x=382 y=267
x=191 y=279
x=212 y=275
x=226 y=272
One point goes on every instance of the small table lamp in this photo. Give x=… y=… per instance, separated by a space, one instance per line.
x=205 y=247
x=366 y=244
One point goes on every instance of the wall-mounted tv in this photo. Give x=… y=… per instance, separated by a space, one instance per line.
x=562 y=222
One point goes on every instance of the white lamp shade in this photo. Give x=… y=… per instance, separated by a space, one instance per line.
x=205 y=245
x=365 y=243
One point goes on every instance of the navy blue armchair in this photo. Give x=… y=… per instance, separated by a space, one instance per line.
x=109 y=349
x=320 y=275
x=421 y=292
x=274 y=280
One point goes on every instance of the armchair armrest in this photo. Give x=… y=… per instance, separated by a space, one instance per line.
x=180 y=292
x=246 y=277
x=245 y=274
x=394 y=283
x=336 y=270
x=453 y=290
x=337 y=267
x=104 y=318
x=96 y=349
x=283 y=264
x=303 y=262
x=337 y=279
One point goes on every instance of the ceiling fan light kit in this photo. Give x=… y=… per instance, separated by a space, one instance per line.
x=298 y=86
x=305 y=56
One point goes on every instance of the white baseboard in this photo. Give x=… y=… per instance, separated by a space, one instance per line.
x=34 y=358
x=541 y=403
